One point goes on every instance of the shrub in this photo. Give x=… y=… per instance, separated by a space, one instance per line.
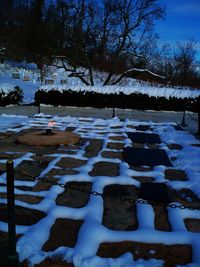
x=132 y=101
x=11 y=97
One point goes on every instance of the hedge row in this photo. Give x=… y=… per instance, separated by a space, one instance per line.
x=11 y=98
x=133 y=101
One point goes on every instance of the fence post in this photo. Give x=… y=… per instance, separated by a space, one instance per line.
x=12 y=260
x=183 y=123
x=183 y=119
x=39 y=108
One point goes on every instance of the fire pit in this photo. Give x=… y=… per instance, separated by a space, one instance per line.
x=48 y=137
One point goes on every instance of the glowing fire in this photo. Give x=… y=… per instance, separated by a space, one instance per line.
x=51 y=123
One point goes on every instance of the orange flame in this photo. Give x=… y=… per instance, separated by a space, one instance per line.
x=51 y=123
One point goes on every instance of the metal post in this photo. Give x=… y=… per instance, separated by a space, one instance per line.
x=113 y=111
x=39 y=109
x=12 y=254
x=183 y=123
x=183 y=120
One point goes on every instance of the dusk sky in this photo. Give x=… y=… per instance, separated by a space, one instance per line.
x=182 y=22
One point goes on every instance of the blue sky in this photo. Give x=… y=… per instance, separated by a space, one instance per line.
x=182 y=22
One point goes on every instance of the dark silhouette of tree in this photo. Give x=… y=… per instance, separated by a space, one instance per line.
x=104 y=34
x=114 y=36
x=184 y=58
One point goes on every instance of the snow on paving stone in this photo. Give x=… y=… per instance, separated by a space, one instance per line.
x=8 y=121
x=92 y=232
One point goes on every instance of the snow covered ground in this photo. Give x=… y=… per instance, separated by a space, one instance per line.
x=7 y=83
x=127 y=85
x=185 y=156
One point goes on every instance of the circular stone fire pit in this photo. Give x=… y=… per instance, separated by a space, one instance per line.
x=48 y=138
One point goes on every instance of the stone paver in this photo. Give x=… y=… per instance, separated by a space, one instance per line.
x=112 y=155
x=117 y=138
x=175 y=175
x=94 y=148
x=24 y=216
x=63 y=233
x=143 y=128
x=174 y=147
x=118 y=146
x=186 y=197
x=70 y=163
x=105 y=169
x=144 y=138
x=74 y=197
x=161 y=218
x=119 y=215
x=192 y=225
x=172 y=255
x=25 y=198
x=28 y=169
x=147 y=157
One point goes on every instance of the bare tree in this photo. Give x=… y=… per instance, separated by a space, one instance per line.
x=106 y=33
x=164 y=63
x=184 y=58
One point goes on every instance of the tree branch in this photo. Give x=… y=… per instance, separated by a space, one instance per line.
x=80 y=77
x=137 y=70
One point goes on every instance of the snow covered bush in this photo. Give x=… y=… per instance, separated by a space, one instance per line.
x=132 y=101
x=10 y=96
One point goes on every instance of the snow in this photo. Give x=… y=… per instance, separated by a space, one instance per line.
x=126 y=86
x=92 y=232
x=8 y=121
x=127 y=90
x=7 y=83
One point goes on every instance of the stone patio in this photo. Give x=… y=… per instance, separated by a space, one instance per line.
x=100 y=157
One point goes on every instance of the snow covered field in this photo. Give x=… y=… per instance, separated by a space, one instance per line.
x=94 y=232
